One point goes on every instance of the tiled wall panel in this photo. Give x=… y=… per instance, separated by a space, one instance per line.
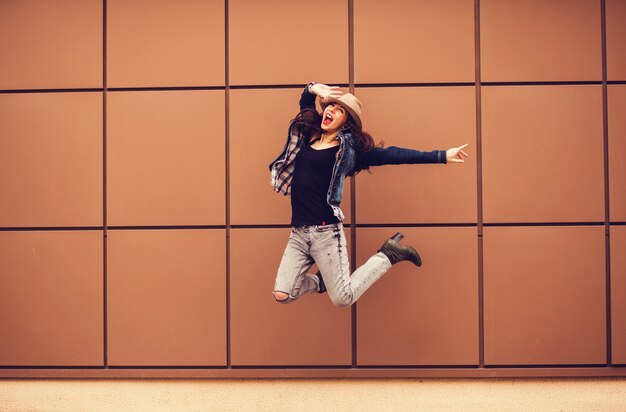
x=309 y=331
x=252 y=148
x=615 y=39
x=618 y=294
x=166 y=157
x=425 y=119
x=165 y=43
x=50 y=44
x=617 y=148
x=543 y=156
x=539 y=40
x=259 y=122
x=51 y=298
x=426 y=315
x=166 y=297
x=279 y=42
x=391 y=36
x=51 y=159
x=545 y=300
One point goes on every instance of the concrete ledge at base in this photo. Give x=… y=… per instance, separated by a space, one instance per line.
x=431 y=395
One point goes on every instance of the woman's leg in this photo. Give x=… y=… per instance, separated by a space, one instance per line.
x=292 y=281
x=330 y=252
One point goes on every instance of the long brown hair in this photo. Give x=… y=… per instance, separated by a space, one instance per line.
x=309 y=123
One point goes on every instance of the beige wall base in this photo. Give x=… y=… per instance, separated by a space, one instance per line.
x=331 y=395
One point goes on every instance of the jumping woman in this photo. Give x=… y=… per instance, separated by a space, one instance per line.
x=321 y=150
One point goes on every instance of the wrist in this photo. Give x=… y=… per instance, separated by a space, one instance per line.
x=309 y=87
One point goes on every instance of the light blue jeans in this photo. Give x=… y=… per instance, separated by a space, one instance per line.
x=326 y=246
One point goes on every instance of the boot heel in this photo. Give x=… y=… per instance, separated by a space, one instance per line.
x=397 y=237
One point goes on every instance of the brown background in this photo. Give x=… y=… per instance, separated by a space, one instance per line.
x=139 y=235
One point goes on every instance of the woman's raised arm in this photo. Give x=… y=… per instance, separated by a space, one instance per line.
x=311 y=90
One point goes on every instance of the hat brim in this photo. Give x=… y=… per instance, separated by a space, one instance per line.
x=329 y=100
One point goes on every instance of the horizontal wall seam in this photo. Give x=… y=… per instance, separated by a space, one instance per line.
x=286 y=226
x=299 y=86
x=305 y=366
x=313 y=373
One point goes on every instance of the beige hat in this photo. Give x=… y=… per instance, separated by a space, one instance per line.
x=349 y=102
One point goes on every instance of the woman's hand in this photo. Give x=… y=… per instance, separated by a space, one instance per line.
x=455 y=155
x=324 y=91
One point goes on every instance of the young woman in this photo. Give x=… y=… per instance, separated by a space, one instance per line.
x=321 y=150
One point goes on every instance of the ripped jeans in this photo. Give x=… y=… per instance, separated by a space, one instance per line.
x=326 y=246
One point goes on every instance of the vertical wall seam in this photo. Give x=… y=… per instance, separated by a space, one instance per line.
x=352 y=180
x=227 y=177
x=479 y=186
x=605 y=138
x=104 y=177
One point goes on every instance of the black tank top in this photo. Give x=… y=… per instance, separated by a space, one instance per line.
x=311 y=179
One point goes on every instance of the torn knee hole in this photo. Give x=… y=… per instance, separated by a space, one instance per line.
x=280 y=296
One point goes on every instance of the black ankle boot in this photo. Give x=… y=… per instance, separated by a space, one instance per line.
x=397 y=252
x=321 y=279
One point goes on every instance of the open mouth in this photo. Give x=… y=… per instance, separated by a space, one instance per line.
x=328 y=118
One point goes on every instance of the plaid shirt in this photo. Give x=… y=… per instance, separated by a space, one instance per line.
x=282 y=168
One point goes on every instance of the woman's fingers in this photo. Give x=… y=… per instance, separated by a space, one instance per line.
x=325 y=91
x=333 y=94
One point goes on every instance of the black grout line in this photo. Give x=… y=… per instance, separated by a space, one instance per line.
x=268 y=226
x=418 y=367
x=479 y=187
x=163 y=88
x=420 y=84
x=227 y=175
x=353 y=262
x=299 y=86
x=365 y=225
x=69 y=90
x=343 y=366
x=104 y=177
x=549 y=365
x=531 y=224
x=607 y=211
x=544 y=83
x=167 y=227
x=362 y=367
x=34 y=229
x=283 y=226
x=277 y=86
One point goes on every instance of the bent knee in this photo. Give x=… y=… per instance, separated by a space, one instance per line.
x=344 y=301
x=281 y=297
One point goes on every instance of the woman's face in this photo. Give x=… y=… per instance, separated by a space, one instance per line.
x=333 y=118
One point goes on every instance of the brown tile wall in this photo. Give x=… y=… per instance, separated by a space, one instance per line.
x=138 y=229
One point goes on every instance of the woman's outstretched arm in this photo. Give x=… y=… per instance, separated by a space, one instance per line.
x=393 y=155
